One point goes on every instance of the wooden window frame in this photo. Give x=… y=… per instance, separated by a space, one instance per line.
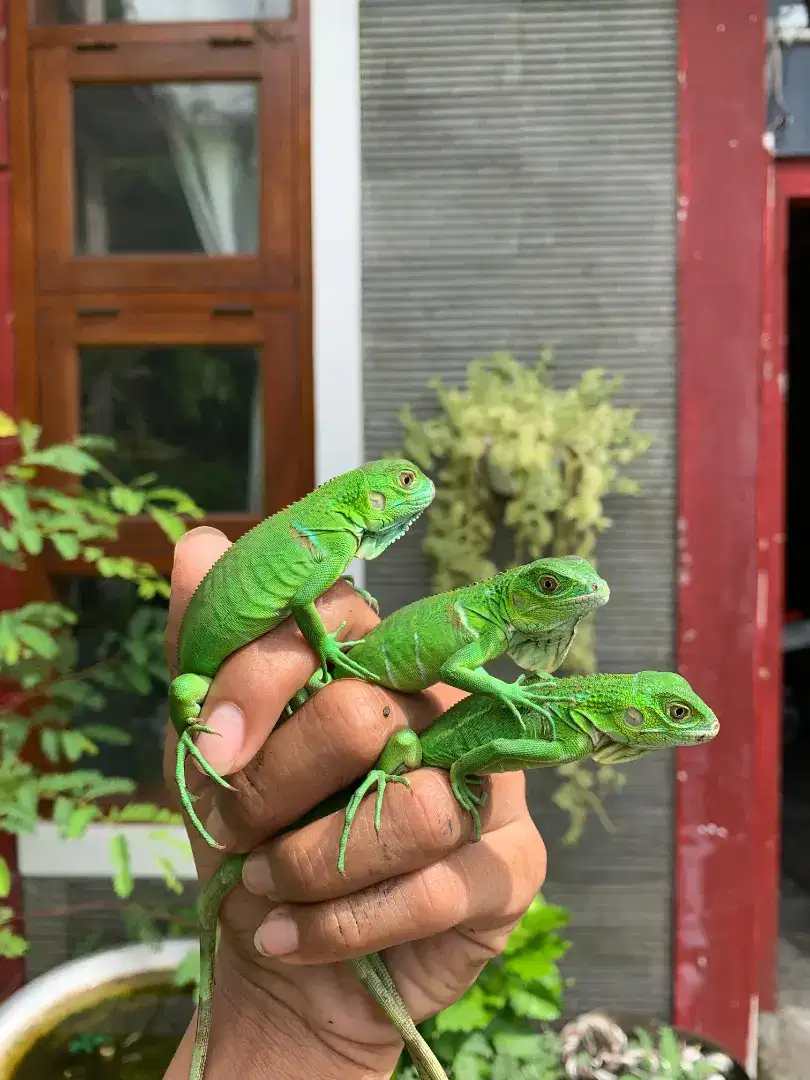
x=63 y=302
x=64 y=330
x=269 y=63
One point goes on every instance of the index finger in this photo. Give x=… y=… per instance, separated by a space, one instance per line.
x=253 y=685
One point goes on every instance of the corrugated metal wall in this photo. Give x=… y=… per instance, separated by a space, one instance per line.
x=518 y=188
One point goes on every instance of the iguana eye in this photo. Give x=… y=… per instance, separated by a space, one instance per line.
x=549 y=584
x=633 y=717
x=407 y=479
x=678 y=711
x=376 y=500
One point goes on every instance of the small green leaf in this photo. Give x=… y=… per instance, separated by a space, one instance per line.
x=38 y=641
x=173 y=526
x=66 y=544
x=31 y=538
x=5 y=878
x=29 y=436
x=79 y=820
x=14 y=498
x=188 y=970
x=12 y=946
x=533 y=1006
x=104 y=733
x=75 y=744
x=122 y=867
x=469 y=1013
x=50 y=739
x=65 y=458
x=127 y=501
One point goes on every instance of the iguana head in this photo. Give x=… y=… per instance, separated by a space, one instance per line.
x=545 y=601
x=636 y=714
x=383 y=500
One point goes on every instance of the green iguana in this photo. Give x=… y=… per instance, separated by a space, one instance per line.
x=530 y=612
x=612 y=718
x=280 y=568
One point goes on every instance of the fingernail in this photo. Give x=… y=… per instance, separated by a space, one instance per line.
x=216 y=828
x=195 y=532
x=221 y=750
x=278 y=934
x=257 y=876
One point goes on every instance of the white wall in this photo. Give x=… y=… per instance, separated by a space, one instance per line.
x=335 y=103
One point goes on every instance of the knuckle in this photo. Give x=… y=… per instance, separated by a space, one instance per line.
x=351 y=718
x=299 y=869
x=439 y=898
x=342 y=928
x=432 y=815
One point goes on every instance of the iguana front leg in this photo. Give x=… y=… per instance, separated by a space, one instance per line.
x=464 y=670
x=369 y=599
x=325 y=644
x=511 y=755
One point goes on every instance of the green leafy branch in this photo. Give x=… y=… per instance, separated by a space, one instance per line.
x=78 y=516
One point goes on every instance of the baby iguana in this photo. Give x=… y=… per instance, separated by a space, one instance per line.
x=612 y=718
x=280 y=568
x=530 y=612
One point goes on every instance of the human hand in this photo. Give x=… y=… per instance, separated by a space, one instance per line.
x=436 y=906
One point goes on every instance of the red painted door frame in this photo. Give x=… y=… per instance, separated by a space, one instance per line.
x=788 y=182
x=724 y=876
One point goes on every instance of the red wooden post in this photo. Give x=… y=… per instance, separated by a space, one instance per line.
x=12 y=972
x=721 y=206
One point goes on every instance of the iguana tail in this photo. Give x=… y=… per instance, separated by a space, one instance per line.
x=228 y=875
x=375 y=977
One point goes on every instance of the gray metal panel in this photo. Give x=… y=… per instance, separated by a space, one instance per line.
x=519 y=188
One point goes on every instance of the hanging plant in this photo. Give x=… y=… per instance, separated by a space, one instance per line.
x=508 y=449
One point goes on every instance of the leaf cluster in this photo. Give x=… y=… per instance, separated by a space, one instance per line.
x=510 y=450
x=62 y=499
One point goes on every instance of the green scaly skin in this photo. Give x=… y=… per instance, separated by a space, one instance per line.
x=611 y=718
x=278 y=569
x=530 y=612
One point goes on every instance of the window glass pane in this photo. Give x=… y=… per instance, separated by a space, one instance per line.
x=166 y=168
x=156 y=11
x=190 y=414
x=104 y=607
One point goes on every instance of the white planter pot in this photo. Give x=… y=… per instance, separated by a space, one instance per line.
x=36 y=1009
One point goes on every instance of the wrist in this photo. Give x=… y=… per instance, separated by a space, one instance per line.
x=255 y=1036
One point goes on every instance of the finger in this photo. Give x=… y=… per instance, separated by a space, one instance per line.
x=252 y=687
x=332 y=741
x=420 y=826
x=482 y=887
x=194 y=555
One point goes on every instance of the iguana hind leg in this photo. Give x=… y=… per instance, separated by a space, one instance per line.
x=186 y=695
x=403 y=751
